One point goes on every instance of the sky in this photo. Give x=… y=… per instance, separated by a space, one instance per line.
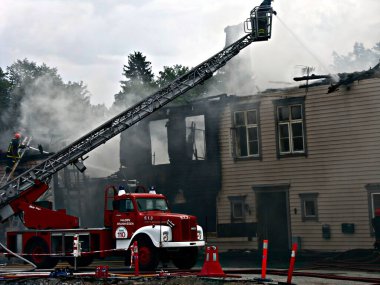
x=90 y=40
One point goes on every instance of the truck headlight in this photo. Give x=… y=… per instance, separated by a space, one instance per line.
x=165 y=236
x=199 y=235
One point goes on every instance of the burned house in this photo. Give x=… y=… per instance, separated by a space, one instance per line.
x=176 y=150
x=283 y=165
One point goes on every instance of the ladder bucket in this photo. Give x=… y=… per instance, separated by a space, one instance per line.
x=260 y=23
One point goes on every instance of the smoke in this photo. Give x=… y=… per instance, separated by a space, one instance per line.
x=237 y=77
x=56 y=114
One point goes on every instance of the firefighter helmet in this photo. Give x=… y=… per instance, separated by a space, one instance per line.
x=17 y=135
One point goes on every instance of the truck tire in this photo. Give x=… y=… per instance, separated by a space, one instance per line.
x=148 y=257
x=185 y=258
x=36 y=248
x=82 y=261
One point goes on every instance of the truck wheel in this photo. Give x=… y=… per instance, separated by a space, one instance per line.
x=148 y=257
x=38 y=250
x=82 y=261
x=185 y=258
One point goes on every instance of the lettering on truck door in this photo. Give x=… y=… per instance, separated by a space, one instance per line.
x=124 y=219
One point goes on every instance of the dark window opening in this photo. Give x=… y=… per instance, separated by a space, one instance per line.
x=310 y=210
x=159 y=142
x=238 y=208
x=195 y=137
x=375 y=203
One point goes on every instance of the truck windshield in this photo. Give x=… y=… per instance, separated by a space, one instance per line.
x=151 y=204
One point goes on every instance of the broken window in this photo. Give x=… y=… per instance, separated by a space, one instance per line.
x=159 y=142
x=246 y=133
x=195 y=137
x=309 y=206
x=290 y=126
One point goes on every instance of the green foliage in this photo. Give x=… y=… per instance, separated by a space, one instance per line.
x=139 y=79
x=170 y=73
x=361 y=58
x=24 y=72
x=5 y=89
x=5 y=86
x=41 y=105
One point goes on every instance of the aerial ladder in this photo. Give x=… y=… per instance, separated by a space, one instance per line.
x=25 y=189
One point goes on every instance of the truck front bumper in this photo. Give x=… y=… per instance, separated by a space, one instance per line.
x=183 y=243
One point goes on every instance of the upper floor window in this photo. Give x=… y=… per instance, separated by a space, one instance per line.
x=159 y=141
x=247 y=141
x=290 y=120
x=196 y=137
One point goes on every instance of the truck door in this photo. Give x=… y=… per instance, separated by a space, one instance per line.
x=124 y=219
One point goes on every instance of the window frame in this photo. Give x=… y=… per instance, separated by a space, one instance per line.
x=309 y=197
x=123 y=203
x=372 y=188
x=197 y=130
x=234 y=141
x=290 y=122
x=238 y=200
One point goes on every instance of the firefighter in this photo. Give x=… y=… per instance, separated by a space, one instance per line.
x=262 y=19
x=266 y=3
x=14 y=146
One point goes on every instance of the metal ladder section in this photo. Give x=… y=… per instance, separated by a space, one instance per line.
x=75 y=151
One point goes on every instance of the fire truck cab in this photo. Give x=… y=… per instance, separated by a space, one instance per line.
x=161 y=234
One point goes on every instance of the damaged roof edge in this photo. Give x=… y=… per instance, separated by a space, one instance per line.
x=345 y=79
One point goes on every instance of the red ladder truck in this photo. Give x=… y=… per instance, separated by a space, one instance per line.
x=128 y=217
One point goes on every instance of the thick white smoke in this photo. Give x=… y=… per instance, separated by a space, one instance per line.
x=55 y=116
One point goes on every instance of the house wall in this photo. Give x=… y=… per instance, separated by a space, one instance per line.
x=343 y=156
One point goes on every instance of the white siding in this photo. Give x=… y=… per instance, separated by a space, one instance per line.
x=343 y=142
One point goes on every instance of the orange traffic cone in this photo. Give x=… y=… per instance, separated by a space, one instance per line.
x=211 y=266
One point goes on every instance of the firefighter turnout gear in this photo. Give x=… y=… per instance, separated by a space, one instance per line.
x=14 y=146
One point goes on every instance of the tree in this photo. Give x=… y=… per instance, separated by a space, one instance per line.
x=26 y=78
x=5 y=88
x=139 y=79
x=361 y=58
x=171 y=73
x=23 y=72
x=43 y=106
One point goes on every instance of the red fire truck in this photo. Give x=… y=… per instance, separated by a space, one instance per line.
x=144 y=217
x=128 y=217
